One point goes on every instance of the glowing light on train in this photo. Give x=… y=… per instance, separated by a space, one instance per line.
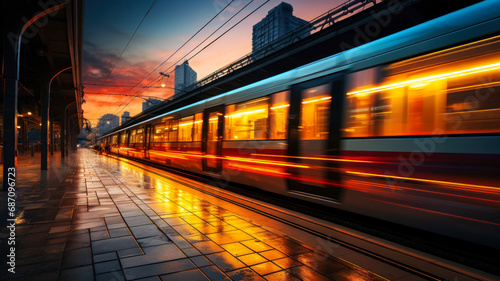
x=280 y=106
x=427 y=79
x=315 y=158
x=316 y=100
x=267 y=162
x=481 y=188
x=245 y=113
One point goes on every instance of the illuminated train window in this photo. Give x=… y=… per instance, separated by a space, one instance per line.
x=315 y=110
x=123 y=138
x=186 y=128
x=158 y=133
x=278 y=117
x=132 y=136
x=197 y=126
x=171 y=131
x=139 y=137
x=453 y=91
x=247 y=120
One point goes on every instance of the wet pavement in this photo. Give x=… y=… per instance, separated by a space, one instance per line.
x=90 y=217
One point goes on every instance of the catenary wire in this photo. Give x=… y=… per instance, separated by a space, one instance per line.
x=213 y=41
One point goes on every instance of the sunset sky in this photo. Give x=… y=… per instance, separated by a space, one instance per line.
x=110 y=24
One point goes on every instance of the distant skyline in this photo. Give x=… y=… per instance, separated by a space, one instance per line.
x=109 y=25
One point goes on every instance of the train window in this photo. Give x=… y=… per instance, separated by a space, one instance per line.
x=114 y=139
x=132 y=136
x=198 y=125
x=171 y=130
x=158 y=133
x=453 y=91
x=247 y=120
x=315 y=111
x=278 y=115
x=475 y=106
x=186 y=129
x=139 y=137
x=123 y=138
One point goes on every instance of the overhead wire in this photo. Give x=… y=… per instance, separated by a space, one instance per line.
x=178 y=49
x=205 y=47
x=126 y=46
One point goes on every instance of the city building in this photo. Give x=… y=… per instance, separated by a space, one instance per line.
x=150 y=102
x=107 y=122
x=184 y=76
x=125 y=117
x=278 y=22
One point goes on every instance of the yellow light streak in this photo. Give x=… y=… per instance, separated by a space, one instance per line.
x=266 y=162
x=185 y=124
x=313 y=158
x=321 y=99
x=166 y=154
x=280 y=106
x=465 y=185
x=265 y=170
x=427 y=79
x=245 y=113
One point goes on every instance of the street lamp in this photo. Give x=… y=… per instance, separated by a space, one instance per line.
x=163 y=75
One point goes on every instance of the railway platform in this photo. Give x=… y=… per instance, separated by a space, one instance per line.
x=93 y=217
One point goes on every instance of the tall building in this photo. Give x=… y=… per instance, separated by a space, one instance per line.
x=278 y=22
x=107 y=122
x=184 y=76
x=150 y=102
x=125 y=117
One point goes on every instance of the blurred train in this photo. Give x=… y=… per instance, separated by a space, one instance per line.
x=404 y=128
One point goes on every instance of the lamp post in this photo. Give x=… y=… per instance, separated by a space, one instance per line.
x=45 y=121
x=12 y=57
x=163 y=75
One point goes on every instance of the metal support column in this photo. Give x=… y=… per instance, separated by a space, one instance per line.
x=51 y=132
x=62 y=137
x=11 y=77
x=45 y=122
x=11 y=72
x=68 y=135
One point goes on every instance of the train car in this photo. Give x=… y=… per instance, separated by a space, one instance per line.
x=404 y=128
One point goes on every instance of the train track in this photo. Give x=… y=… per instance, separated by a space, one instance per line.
x=473 y=255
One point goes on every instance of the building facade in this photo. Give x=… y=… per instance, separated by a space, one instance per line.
x=107 y=122
x=184 y=76
x=125 y=117
x=278 y=22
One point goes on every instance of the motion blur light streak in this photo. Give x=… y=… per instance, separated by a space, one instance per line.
x=316 y=158
x=257 y=170
x=463 y=186
x=267 y=162
x=371 y=187
x=245 y=113
x=455 y=74
x=316 y=100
